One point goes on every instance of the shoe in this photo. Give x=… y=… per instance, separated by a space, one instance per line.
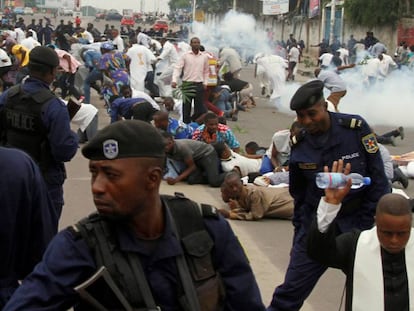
x=402 y=134
x=263 y=90
x=400 y=177
x=234 y=118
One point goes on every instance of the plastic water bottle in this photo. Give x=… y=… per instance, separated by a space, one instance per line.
x=339 y=180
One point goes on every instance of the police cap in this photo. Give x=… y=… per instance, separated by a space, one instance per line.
x=126 y=139
x=42 y=55
x=307 y=95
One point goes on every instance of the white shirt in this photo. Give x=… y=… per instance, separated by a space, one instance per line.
x=4 y=59
x=20 y=35
x=231 y=57
x=119 y=43
x=143 y=95
x=326 y=59
x=169 y=53
x=88 y=36
x=245 y=165
x=332 y=81
x=385 y=64
x=294 y=54
x=30 y=43
x=281 y=141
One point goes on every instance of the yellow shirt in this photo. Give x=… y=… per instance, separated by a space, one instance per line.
x=17 y=50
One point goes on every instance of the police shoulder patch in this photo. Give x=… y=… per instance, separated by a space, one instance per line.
x=370 y=143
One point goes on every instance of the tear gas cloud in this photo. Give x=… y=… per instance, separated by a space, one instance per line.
x=236 y=30
x=388 y=103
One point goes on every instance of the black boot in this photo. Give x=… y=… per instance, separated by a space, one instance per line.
x=400 y=177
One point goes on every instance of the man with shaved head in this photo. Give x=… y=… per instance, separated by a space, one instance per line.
x=379 y=262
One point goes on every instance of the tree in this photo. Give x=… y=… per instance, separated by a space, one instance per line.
x=377 y=12
x=179 y=4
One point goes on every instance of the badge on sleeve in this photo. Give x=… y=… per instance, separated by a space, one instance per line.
x=370 y=143
x=110 y=149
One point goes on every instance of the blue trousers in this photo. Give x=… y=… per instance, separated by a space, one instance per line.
x=92 y=77
x=301 y=276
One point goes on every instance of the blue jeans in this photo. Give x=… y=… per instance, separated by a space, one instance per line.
x=93 y=76
x=223 y=102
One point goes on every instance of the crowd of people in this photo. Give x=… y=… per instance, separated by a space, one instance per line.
x=168 y=104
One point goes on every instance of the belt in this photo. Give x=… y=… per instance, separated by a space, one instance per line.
x=193 y=82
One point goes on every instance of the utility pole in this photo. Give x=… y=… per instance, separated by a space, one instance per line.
x=194 y=10
x=332 y=33
x=234 y=5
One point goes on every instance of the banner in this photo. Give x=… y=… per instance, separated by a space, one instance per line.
x=314 y=6
x=275 y=7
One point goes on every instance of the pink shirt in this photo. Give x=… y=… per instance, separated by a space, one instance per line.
x=194 y=67
x=64 y=63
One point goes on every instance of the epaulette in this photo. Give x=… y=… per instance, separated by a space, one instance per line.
x=74 y=229
x=206 y=210
x=352 y=123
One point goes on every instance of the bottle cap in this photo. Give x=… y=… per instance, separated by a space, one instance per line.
x=367 y=181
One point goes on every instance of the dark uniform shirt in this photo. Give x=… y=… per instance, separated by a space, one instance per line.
x=68 y=262
x=27 y=222
x=62 y=140
x=310 y=156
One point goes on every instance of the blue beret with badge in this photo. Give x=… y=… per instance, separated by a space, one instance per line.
x=126 y=139
x=307 y=95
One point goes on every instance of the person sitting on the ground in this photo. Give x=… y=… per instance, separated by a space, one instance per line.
x=201 y=161
x=212 y=131
x=253 y=202
x=133 y=106
x=176 y=128
x=371 y=259
x=245 y=89
x=231 y=160
x=277 y=155
x=220 y=97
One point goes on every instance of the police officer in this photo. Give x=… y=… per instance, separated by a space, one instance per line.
x=326 y=138
x=36 y=121
x=126 y=171
x=27 y=219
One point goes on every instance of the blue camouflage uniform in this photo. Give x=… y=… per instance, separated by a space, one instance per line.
x=27 y=222
x=91 y=58
x=351 y=139
x=68 y=262
x=62 y=140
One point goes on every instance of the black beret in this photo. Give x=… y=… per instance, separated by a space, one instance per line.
x=126 y=139
x=307 y=95
x=43 y=55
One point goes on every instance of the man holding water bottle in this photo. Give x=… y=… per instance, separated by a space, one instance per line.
x=327 y=137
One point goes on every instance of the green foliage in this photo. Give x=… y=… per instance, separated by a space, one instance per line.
x=184 y=91
x=373 y=12
x=179 y=4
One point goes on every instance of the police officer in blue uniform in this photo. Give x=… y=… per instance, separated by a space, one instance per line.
x=126 y=171
x=36 y=121
x=27 y=222
x=326 y=137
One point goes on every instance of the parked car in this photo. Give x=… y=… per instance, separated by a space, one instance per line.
x=28 y=11
x=127 y=21
x=113 y=15
x=67 y=12
x=18 y=10
x=160 y=25
x=100 y=15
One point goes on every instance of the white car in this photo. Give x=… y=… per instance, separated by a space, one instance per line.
x=67 y=12
x=28 y=11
